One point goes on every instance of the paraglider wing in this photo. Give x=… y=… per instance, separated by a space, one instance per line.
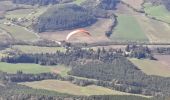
x=76 y=32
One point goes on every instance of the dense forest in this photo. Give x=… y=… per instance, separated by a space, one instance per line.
x=108 y=4
x=64 y=17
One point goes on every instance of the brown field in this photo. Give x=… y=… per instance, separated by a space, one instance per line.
x=134 y=3
x=157 y=32
x=97 y=30
x=164 y=59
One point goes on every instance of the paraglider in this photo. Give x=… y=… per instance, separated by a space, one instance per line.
x=82 y=31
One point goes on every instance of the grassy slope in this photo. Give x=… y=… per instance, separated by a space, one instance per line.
x=37 y=49
x=151 y=67
x=69 y=88
x=159 y=12
x=26 y=68
x=128 y=29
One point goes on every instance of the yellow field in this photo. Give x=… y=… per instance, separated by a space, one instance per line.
x=69 y=88
x=151 y=67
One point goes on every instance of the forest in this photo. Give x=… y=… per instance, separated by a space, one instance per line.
x=64 y=17
x=110 y=67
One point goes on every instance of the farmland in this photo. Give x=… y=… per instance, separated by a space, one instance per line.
x=137 y=4
x=26 y=68
x=18 y=32
x=128 y=29
x=37 y=49
x=152 y=67
x=159 y=12
x=69 y=88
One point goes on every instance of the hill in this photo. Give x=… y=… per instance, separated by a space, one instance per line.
x=64 y=17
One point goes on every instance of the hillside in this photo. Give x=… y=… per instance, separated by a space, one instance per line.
x=64 y=17
x=84 y=49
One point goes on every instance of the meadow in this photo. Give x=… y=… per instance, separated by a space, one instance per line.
x=37 y=49
x=159 y=12
x=69 y=88
x=152 y=67
x=128 y=29
x=26 y=68
x=18 y=32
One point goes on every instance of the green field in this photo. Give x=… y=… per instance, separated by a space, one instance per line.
x=151 y=67
x=37 y=49
x=128 y=29
x=159 y=12
x=26 y=68
x=79 y=1
x=69 y=88
x=18 y=32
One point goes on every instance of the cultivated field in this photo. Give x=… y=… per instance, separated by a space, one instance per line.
x=137 y=4
x=134 y=26
x=37 y=49
x=69 y=88
x=18 y=32
x=128 y=29
x=157 y=32
x=151 y=67
x=159 y=12
x=26 y=68
x=79 y=1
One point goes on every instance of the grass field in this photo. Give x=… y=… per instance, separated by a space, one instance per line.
x=151 y=67
x=69 y=88
x=159 y=12
x=26 y=68
x=37 y=49
x=20 y=13
x=79 y=1
x=128 y=29
x=18 y=32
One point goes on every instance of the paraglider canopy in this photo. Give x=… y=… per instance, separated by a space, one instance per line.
x=82 y=31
